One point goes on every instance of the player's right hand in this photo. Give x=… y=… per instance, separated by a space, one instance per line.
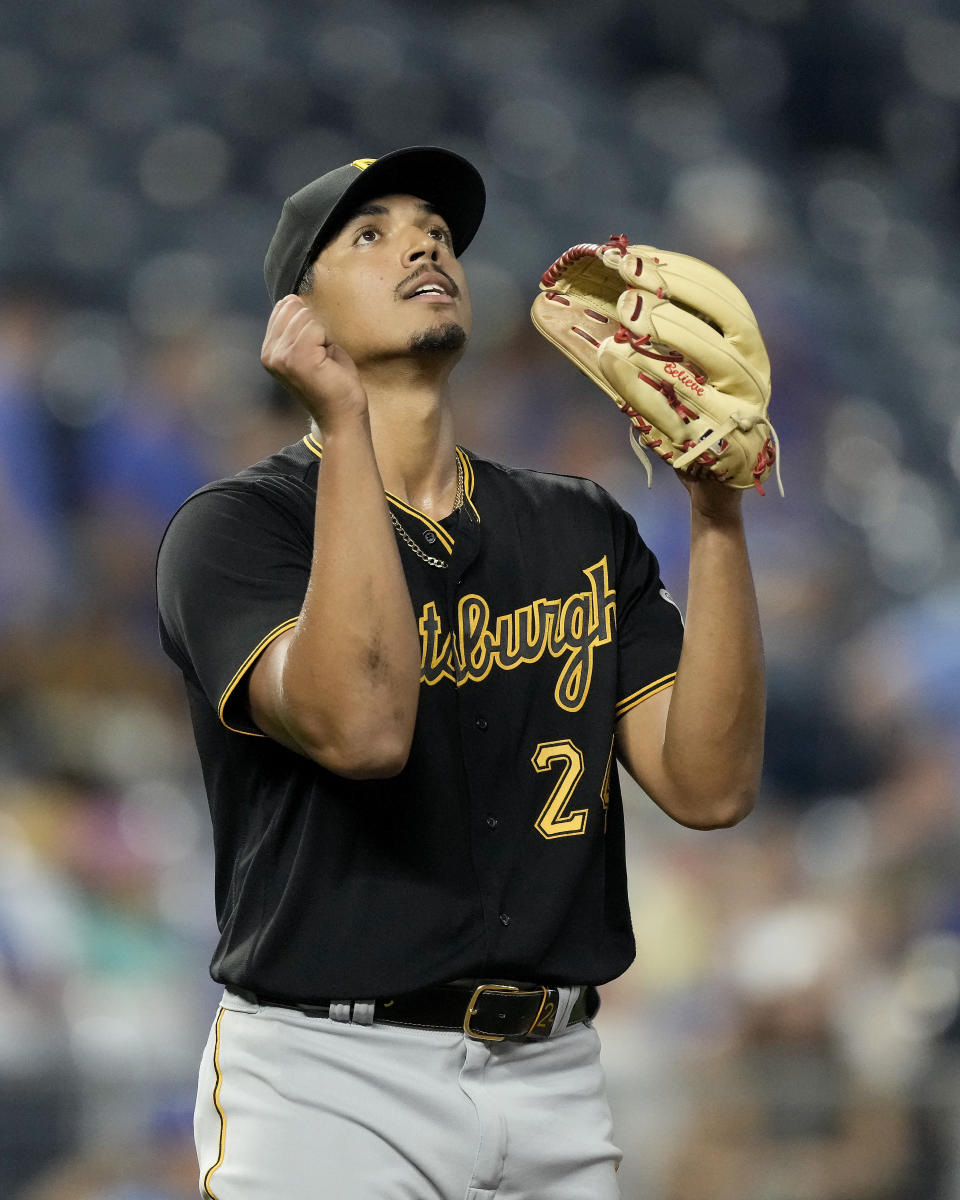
x=296 y=351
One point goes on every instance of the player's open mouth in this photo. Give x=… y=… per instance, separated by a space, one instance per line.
x=431 y=288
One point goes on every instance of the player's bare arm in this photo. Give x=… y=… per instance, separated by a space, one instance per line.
x=347 y=699
x=697 y=748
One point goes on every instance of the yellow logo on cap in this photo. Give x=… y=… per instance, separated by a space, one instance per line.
x=362 y=163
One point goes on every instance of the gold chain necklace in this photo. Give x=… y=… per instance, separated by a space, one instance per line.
x=457 y=503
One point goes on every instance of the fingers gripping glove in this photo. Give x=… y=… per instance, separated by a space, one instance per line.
x=675 y=345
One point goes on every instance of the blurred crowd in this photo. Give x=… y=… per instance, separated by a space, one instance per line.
x=791 y=1027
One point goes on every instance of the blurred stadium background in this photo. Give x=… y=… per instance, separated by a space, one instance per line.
x=790 y=1028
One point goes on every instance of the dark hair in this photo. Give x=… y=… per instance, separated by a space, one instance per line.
x=305 y=286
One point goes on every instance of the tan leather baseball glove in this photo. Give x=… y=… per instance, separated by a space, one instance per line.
x=676 y=346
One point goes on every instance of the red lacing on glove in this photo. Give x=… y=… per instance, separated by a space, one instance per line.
x=646 y=379
x=706 y=458
x=685 y=414
x=636 y=418
x=619 y=241
x=766 y=458
x=666 y=390
x=616 y=241
x=556 y=296
x=556 y=269
x=639 y=344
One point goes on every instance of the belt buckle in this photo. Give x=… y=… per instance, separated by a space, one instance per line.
x=502 y=989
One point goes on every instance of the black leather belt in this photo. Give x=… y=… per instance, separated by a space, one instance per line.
x=490 y=1010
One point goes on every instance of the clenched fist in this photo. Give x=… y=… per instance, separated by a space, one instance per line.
x=321 y=375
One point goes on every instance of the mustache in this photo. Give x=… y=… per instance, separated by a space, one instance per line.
x=426 y=270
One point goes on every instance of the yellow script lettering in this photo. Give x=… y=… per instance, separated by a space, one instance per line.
x=570 y=629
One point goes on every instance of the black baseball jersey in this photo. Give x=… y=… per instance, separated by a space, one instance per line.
x=498 y=851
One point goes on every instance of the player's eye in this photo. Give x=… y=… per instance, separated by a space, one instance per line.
x=440 y=232
x=367 y=235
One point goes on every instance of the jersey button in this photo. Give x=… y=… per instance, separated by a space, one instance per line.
x=429 y=536
x=481 y=723
x=504 y=919
x=492 y=822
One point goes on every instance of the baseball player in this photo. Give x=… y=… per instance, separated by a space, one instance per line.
x=411 y=674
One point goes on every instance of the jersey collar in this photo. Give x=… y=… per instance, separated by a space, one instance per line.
x=442 y=536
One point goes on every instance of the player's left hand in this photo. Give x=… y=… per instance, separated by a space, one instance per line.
x=709 y=497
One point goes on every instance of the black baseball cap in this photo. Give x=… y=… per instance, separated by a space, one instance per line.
x=312 y=216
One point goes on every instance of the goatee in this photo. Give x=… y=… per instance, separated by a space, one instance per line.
x=450 y=336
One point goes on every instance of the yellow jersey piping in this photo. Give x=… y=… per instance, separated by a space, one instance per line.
x=216 y=1104
x=440 y=533
x=631 y=701
x=254 y=653
x=443 y=537
x=468 y=481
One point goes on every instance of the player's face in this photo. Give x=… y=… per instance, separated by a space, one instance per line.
x=389 y=283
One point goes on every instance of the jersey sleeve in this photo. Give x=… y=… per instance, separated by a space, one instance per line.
x=649 y=623
x=232 y=573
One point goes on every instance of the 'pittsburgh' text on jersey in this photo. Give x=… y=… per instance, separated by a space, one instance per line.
x=569 y=628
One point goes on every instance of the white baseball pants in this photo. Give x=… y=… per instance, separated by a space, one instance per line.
x=295 y=1106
